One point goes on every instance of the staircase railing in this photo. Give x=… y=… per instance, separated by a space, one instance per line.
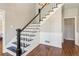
x=41 y=14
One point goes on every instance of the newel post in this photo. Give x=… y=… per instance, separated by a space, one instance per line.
x=39 y=11
x=18 y=50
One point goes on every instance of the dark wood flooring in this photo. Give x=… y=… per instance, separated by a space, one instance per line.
x=68 y=49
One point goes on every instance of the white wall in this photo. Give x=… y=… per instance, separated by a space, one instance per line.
x=16 y=16
x=69 y=28
x=70 y=12
x=51 y=30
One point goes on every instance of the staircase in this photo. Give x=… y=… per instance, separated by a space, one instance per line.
x=28 y=37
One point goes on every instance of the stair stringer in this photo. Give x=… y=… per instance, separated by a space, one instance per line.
x=51 y=13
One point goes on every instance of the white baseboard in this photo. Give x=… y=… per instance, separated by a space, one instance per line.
x=69 y=38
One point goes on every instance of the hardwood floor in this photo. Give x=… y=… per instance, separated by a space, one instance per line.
x=44 y=50
x=69 y=49
x=0 y=47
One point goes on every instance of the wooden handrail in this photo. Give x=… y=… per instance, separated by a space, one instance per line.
x=43 y=6
x=29 y=22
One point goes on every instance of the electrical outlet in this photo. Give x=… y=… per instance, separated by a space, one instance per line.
x=47 y=41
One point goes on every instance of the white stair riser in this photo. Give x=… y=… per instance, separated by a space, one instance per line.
x=34 y=25
x=31 y=30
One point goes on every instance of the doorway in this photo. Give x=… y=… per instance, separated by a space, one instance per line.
x=69 y=29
